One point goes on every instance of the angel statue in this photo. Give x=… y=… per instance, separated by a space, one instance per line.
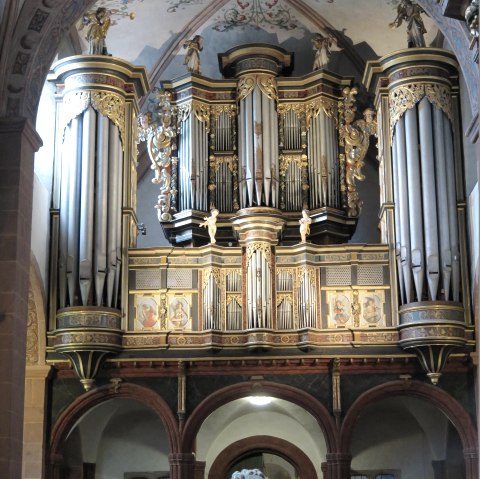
x=211 y=223
x=305 y=223
x=192 y=58
x=98 y=23
x=410 y=12
x=323 y=47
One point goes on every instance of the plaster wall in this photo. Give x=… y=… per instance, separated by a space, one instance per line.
x=391 y=440
x=211 y=442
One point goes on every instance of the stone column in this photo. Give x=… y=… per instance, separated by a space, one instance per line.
x=324 y=470
x=439 y=471
x=18 y=144
x=199 y=470
x=34 y=420
x=471 y=463
x=338 y=465
x=182 y=465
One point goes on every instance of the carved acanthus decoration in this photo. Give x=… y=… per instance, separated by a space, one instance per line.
x=183 y=111
x=202 y=112
x=107 y=104
x=285 y=160
x=355 y=138
x=32 y=330
x=266 y=83
x=212 y=272
x=405 y=97
x=230 y=160
x=306 y=272
x=157 y=129
x=313 y=108
x=234 y=297
x=217 y=110
x=263 y=247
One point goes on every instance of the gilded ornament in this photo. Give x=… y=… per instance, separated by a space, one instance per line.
x=405 y=97
x=217 y=110
x=355 y=138
x=110 y=105
x=156 y=127
x=286 y=159
x=263 y=247
x=212 y=272
x=266 y=83
x=32 y=330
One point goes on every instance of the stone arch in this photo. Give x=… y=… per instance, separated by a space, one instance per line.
x=285 y=449
x=280 y=391
x=84 y=403
x=36 y=372
x=36 y=320
x=439 y=398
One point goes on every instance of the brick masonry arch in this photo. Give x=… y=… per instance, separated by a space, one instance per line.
x=239 y=449
x=84 y=403
x=433 y=395
x=280 y=391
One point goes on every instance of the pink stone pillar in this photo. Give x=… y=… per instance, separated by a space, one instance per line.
x=471 y=463
x=182 y=465
x=338 y=465
x=18 y=143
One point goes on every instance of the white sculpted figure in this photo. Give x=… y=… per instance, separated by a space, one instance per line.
x=305 y=223
x=211 y=223
x=410 y=12
x=323 y=47
x=248 y=474
x=192 y=58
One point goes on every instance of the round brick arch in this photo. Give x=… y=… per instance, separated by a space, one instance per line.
x=245 y=389
x=240 y=449
x=86 y=402
x=435 y=396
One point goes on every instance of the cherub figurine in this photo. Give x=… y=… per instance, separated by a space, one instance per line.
x=323 y=47
x=410 y=12
x=99 y=22
x=305 y=223
x=211 y=223
x=192 y=58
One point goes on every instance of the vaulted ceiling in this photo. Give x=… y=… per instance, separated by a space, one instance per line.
x=156 y=35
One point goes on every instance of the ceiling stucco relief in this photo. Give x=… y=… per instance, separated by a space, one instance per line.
x=160 y=28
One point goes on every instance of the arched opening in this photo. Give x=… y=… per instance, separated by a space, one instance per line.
x=226 y=427
x=410 y=420
x=117 y=438
x=117 y=431
x=273 y=456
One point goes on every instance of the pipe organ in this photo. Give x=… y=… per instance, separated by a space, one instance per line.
x=419 y=109
x=93 y=214
x=259 y=139
x=257 y=148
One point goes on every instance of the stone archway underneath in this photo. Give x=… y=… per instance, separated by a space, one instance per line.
x=435 y=397
x=86 y=402
x=294 y=455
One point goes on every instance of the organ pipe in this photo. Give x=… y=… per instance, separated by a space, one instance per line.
x=421 y=112
x=97 y=110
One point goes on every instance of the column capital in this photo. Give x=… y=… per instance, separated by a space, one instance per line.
x=21 y=125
